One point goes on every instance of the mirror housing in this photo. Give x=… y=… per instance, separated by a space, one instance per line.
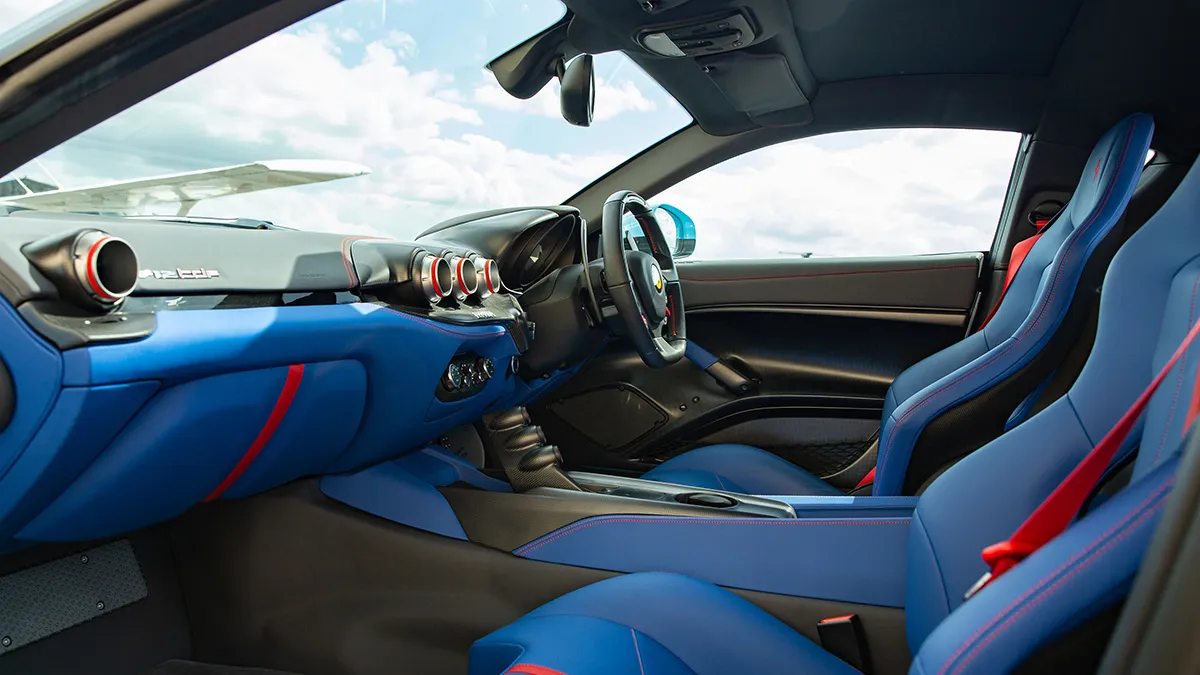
x=685 y=228
x=577 y=93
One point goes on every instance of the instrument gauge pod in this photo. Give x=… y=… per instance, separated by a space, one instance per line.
x=436 y=278
x=464 y=277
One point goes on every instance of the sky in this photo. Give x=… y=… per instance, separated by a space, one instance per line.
x=399 y=86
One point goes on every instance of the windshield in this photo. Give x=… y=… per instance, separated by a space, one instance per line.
x=390 y=86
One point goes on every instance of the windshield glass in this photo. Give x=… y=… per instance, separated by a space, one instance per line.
x=390 y=86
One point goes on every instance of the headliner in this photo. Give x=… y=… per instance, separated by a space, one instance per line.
x=1063 y=69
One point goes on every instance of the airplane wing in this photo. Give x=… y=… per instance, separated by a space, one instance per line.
x=185 y=189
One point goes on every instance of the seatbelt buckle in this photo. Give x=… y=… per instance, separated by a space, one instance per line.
x=843 y=636
x=978 y=586
x=1000 y=558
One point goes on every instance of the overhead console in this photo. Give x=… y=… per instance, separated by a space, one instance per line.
x=701 y=37
x=734 y=66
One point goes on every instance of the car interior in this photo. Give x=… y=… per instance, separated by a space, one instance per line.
x=541 y=440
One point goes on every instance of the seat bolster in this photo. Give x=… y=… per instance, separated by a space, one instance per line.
x=1070 y=580
x=572 y=645
x=708 y=630
x=739 y=468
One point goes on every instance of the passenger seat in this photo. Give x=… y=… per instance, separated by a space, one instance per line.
x=951 y=403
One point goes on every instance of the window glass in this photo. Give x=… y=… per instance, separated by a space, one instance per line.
x=854 y=193
x=393 y=86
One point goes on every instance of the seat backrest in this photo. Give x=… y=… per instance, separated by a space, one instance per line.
x=956 y=400
x=1148 y=303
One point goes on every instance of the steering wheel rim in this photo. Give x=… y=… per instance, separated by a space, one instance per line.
x=629 y=277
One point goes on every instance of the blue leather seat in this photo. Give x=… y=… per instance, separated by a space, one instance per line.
x=663 y=624
x=967 y=391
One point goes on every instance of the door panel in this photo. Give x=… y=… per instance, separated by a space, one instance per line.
x=821 y=339
x=932 y=282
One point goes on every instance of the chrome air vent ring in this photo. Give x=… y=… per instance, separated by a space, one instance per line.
x=106 y=266
x=436 y=278
x=488 y=277
x=464 y=277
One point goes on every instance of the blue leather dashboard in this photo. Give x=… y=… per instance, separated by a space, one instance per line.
x=112 y=437
x=242 y=360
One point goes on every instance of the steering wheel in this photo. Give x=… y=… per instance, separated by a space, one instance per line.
x=644 y=287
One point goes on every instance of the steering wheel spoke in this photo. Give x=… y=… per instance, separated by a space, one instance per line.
x=644 y=287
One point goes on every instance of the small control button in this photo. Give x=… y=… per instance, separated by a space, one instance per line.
x=707 y=499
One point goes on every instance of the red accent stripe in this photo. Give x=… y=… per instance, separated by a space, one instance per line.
x=437 y=288
x=835 y=619
x=462 y=282
x=487 y=275
x=1019 y=253
x=91 y=270
x=530 y=669
x=295 y=373
x=1194 y=406
x=867 y=479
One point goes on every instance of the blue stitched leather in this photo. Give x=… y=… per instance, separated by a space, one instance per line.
x=739 y=468
x=676 y=612
x=144 y=430
x=849 y=559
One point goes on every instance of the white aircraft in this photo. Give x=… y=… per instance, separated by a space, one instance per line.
x=185 y=189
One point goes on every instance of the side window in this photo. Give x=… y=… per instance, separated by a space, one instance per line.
x=853 y=193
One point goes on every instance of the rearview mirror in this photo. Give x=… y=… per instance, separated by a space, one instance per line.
x=577 y=93
x=678 y=228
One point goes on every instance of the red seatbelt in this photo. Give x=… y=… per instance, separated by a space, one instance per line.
x=867 y=479
x=1019 y=253
x=1053 y=516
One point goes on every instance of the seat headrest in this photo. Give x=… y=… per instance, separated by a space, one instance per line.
x=1115 y=160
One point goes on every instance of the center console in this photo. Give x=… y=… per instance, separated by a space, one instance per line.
x=840 y=548
x=534 y=467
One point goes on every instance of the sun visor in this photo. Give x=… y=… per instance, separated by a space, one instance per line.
x=759 y=85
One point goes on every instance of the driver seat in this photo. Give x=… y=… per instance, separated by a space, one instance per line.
x=955 y=401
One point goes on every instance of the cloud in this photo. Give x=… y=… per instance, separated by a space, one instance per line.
x=862 y=193
x=611 y=99
x=296 y=95
x=403 y=43
x=14 y=12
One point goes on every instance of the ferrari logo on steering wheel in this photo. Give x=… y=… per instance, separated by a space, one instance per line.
x=656 y=275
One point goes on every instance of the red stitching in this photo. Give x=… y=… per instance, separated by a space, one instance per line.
x=1071 y=561
x=832 y=274
x=670 y=520
x=1178 y=379
x=1047 y=592
x=1041 y=311
x=345 y=248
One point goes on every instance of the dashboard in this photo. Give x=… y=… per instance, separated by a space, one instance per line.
x=146 y=367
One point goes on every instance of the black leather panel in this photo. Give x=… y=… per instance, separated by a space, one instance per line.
x=936 y=282
x=245 y=261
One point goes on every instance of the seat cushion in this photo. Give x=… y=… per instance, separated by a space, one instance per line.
x=739 y=468
x=653 y=624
